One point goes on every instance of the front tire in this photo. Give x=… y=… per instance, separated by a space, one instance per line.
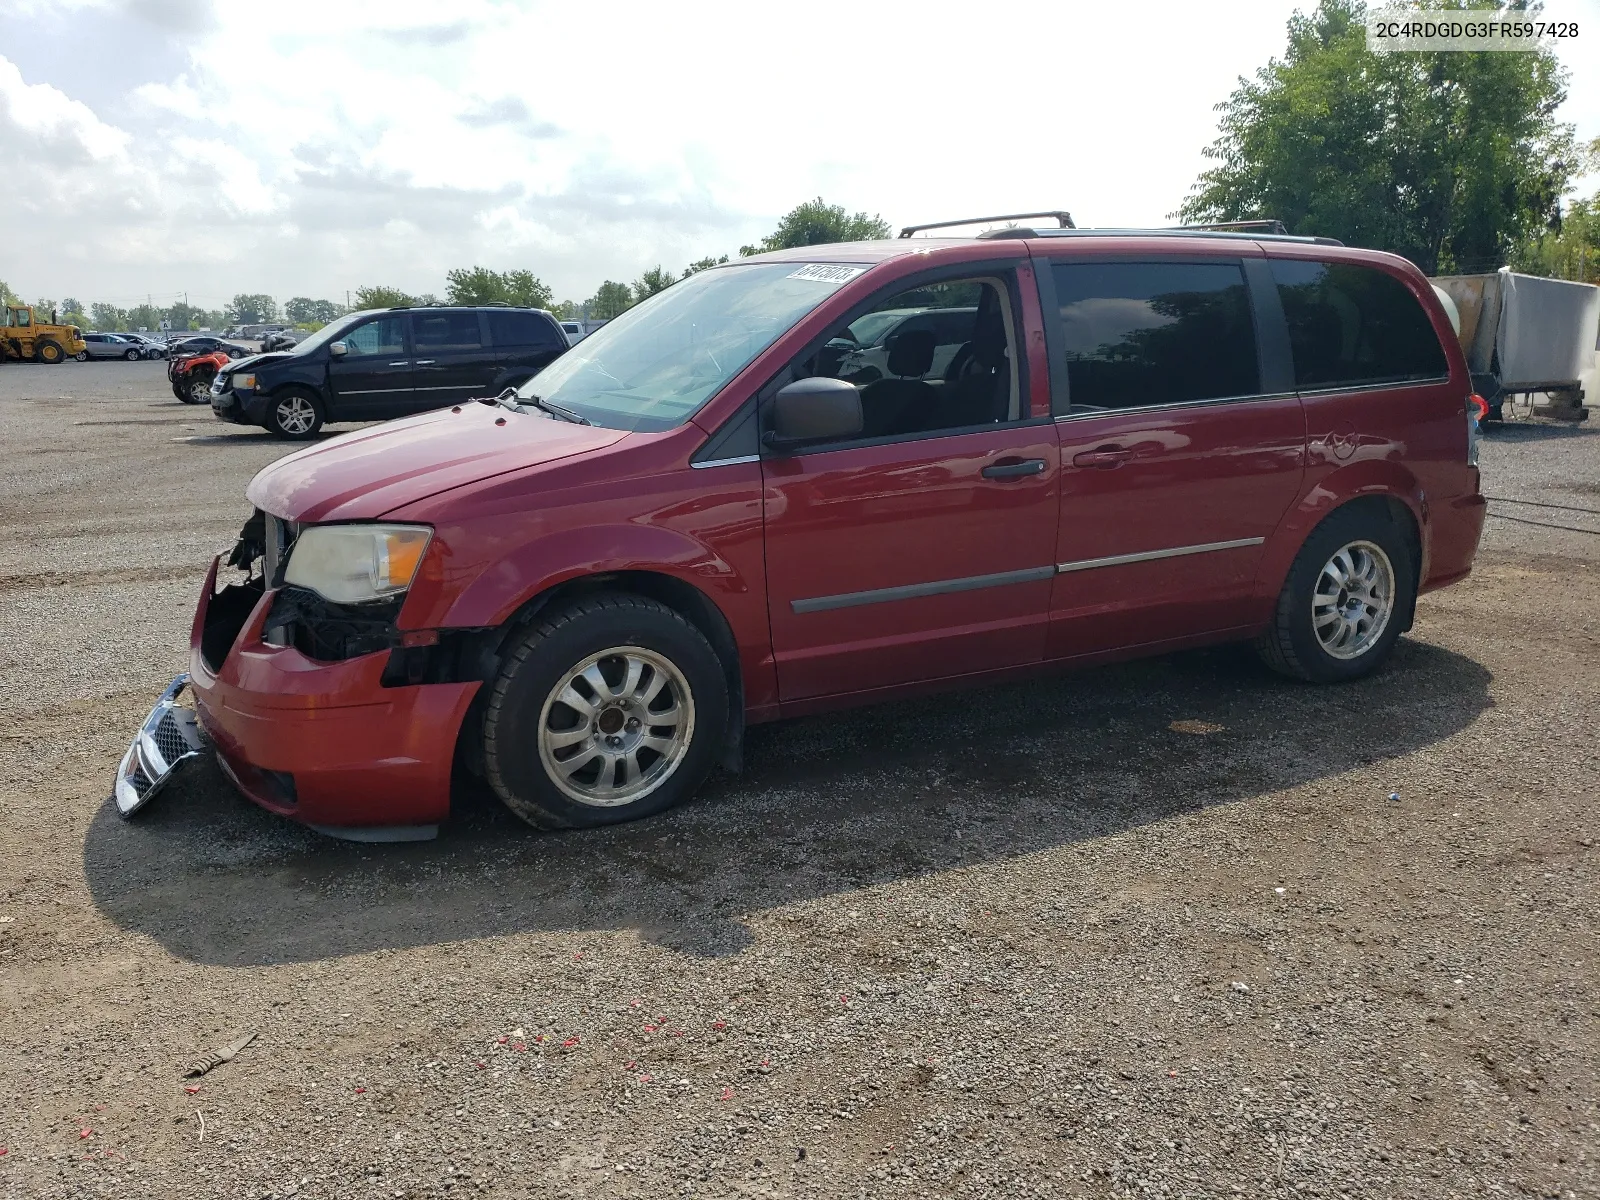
x=1341 y=608
x=48 y=352
x=132 y=355
x=294 y=415
x=82 y=356
x=197 y=388
x=608 y=710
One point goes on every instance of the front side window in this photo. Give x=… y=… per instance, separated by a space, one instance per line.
x=386 y=335
x=656 y=364
x=446 y=331
x=928 y=359
x=1143 y=334
x=1351 y=326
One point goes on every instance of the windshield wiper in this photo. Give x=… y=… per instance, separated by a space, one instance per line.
x=558 y=410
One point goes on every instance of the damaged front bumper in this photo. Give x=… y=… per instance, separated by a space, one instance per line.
x=169 y=737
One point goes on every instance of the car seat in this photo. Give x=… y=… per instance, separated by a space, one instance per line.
x=896 y=404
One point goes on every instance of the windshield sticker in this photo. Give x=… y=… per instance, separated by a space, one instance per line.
x=827 y=273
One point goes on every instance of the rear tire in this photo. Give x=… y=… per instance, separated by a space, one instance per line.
x=294 y=415
x=49 y=352
x=610 y=709
x=1346 y=597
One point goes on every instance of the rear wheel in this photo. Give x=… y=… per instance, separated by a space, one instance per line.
x=1341 y=608
x=49 y=352
x=608 y=710
x=296 y=415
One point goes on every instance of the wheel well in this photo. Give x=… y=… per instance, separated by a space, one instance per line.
x=482 y=661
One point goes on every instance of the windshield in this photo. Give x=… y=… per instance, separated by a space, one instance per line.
x=657 y=363
x=328 y=333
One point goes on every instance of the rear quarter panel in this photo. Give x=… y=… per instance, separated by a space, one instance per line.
x=1406 y=441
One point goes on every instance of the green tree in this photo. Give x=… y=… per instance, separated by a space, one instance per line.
x=702 y=264
x=609 y=300
x=818 y=223
x=251 y=310
x=382 y=297
x=303 y=310
x=656 y=279
x=72 y=312
x=1570 y=249
x=107 y=318
x=480 y=285
x=7 y=296
x=568 y=310
x=1446 y=158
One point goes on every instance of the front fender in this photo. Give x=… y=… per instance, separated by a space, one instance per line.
x=1371 y=477
x=500 y=589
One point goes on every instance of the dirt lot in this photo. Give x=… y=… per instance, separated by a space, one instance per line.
x=1026 y=942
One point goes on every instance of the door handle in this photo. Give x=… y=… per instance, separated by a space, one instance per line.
x=426 y=362
x=402 y=363
x=1104 y=457
x=1014 y=468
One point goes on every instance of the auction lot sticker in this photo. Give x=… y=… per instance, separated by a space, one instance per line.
x=827 y=273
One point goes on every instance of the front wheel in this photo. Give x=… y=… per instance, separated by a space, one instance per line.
x=1339 y=613
x=48 y=352
x=294 y=415
x=82 y=356
x=197 y=388
x=132 y=356
x=608 y=710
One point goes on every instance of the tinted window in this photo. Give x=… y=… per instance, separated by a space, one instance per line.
x=1352 y=325
x=508 y=329
x=446 y=331
x=386 y=335
x=1155 y=333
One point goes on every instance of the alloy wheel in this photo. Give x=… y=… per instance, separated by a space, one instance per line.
x=295 y=415
x=616 y=726
x=1353 y=599
x=200 y=389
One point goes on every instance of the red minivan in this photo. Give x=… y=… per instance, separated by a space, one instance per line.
x=823 y=477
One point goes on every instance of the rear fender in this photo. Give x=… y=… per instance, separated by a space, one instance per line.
x=1373 y=478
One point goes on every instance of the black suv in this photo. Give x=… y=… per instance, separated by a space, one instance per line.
x=370 y=366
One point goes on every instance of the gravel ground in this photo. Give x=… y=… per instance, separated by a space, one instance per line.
x=1030 y=941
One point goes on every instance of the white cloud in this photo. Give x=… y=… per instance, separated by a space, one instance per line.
x=312 y=147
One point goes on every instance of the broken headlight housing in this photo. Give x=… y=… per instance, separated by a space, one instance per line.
x=357 y=564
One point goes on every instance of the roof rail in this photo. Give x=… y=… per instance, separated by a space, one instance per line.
x=1267 y=225
x=1181 y=232
x=1065 y=218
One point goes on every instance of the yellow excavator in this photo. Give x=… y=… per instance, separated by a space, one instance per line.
x=24 y=335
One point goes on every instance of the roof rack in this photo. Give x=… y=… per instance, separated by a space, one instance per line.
x=1181 y=231
x=1065 y=218
x=1270 y=225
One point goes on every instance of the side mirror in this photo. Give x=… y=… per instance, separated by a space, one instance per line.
x=811 y=410
x=338 y=349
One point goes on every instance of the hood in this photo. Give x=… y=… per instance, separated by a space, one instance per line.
x=360 y=476
x=256 y=360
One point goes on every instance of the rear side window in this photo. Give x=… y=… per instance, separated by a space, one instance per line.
x=1140 y=334
x=508 y=330
x=1351 y=325
x=446 y=331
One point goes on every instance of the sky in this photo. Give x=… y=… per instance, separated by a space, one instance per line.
x=211 y=147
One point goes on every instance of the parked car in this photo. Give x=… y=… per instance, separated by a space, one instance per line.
x=370 y=366
x=109 y=345
x=192 y=375
x=152 y=347
x=587 y=589
x=577 y=330
x=207 y=345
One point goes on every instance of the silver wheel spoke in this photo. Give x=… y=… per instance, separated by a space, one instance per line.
x=599 y=761
x=1352 y=600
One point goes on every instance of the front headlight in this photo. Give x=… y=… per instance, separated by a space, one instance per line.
x=242 y=383
x=356 y=564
